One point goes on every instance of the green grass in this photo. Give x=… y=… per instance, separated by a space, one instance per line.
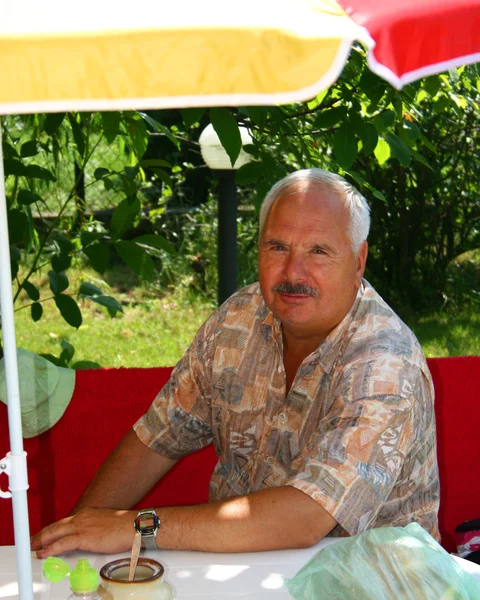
x=157 y=327
x=448 y=334
x=154 y=329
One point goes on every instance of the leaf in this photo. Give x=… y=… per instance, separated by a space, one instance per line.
x=8 y=151
x=155 y=162
x=100 y=172
x=63 y=243
x=317 y=100
x=67 y=352
x=432 y=84
x=85 y=364
x=52 y=359
x=384 y=120
x=131 y=172
x=138 y=134
x=111 y=123
x=69 y=310
x=31 y=290
x=53 y=122
x=14 y=267
x=17 y=223
x=345 y=146
x=165 y=177
x=400 y=149
x=113 y=305
x=129 y=187
x=226 y=127
x=249 y=173
x=88 y=289
x=156 y=241
x=369 y=137
x=13 y=166
x=77 y=134
x=259 y=115
x=27 y=197
x=378 y=194
x=61 y=262
x=58 y=282
x=136 y=258
x=36 y=311
x=99 y=256
x=429 y=144
x=412 y=130
x=191 y=116
x=123 y=217
x=382 y=151
x=37 y=172
x=330 y=117
x=29 y=149
x=15 y=254
x=420 y=158
x=168 y=134
x=88 y=237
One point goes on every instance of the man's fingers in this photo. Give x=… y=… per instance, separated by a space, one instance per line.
x=64 y=544
x=51 y=533
x=93 y=529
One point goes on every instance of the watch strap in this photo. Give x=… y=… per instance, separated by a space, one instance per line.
x=148 y=531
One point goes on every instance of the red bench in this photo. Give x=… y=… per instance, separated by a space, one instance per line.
x=106 y=403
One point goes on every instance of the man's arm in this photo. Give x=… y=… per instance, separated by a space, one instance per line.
x=130 y=471
x=270 y=519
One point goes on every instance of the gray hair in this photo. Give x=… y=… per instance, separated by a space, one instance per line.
x=355 y=203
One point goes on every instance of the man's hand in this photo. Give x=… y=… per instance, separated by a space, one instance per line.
x=101 y=530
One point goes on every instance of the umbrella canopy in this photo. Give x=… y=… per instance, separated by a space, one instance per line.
x=188 y=53
x=119 y=55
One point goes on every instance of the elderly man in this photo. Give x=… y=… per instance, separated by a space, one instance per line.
x=317 y=398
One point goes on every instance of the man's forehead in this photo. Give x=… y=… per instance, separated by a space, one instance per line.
x=299 y=202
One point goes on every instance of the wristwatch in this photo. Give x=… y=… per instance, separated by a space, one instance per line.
x=147 y=524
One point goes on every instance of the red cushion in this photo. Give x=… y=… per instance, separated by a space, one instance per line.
x=62 y=461
x=457 y=408
x=105 y=404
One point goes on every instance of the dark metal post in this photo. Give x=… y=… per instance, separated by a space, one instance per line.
x=227 y=234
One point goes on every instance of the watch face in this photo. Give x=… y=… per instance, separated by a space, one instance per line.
x=147 y=523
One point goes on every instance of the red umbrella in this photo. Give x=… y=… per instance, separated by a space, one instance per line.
x=416 y=38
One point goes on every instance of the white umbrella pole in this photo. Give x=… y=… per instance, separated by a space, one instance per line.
x=15 y=463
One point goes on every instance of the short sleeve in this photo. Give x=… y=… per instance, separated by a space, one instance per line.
x=362 y=449
x=178 y=421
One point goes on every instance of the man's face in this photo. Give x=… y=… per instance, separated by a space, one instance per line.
x=308 y=273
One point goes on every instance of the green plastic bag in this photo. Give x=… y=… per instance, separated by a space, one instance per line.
x=388 y=563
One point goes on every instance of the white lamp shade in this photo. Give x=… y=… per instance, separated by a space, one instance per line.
x=214 y=154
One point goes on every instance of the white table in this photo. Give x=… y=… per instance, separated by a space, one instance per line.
x=202 y=575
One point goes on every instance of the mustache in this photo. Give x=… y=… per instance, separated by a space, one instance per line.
x=297 y=288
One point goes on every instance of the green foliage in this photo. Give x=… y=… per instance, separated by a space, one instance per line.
x=37 y=149
x=152 y=330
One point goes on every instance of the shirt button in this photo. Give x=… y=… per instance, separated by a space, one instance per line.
x=283 y=417
x=270 y=460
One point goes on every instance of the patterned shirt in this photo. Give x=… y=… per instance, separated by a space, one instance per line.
x=356 y=431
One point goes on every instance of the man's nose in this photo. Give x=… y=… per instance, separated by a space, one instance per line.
x=295 y=268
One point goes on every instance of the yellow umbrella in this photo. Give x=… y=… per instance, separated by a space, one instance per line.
x=149 y=54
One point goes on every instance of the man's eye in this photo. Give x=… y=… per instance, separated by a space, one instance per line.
x=277 y=248
x=318 y=251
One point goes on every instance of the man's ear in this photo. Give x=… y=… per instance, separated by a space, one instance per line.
x=362 y=260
